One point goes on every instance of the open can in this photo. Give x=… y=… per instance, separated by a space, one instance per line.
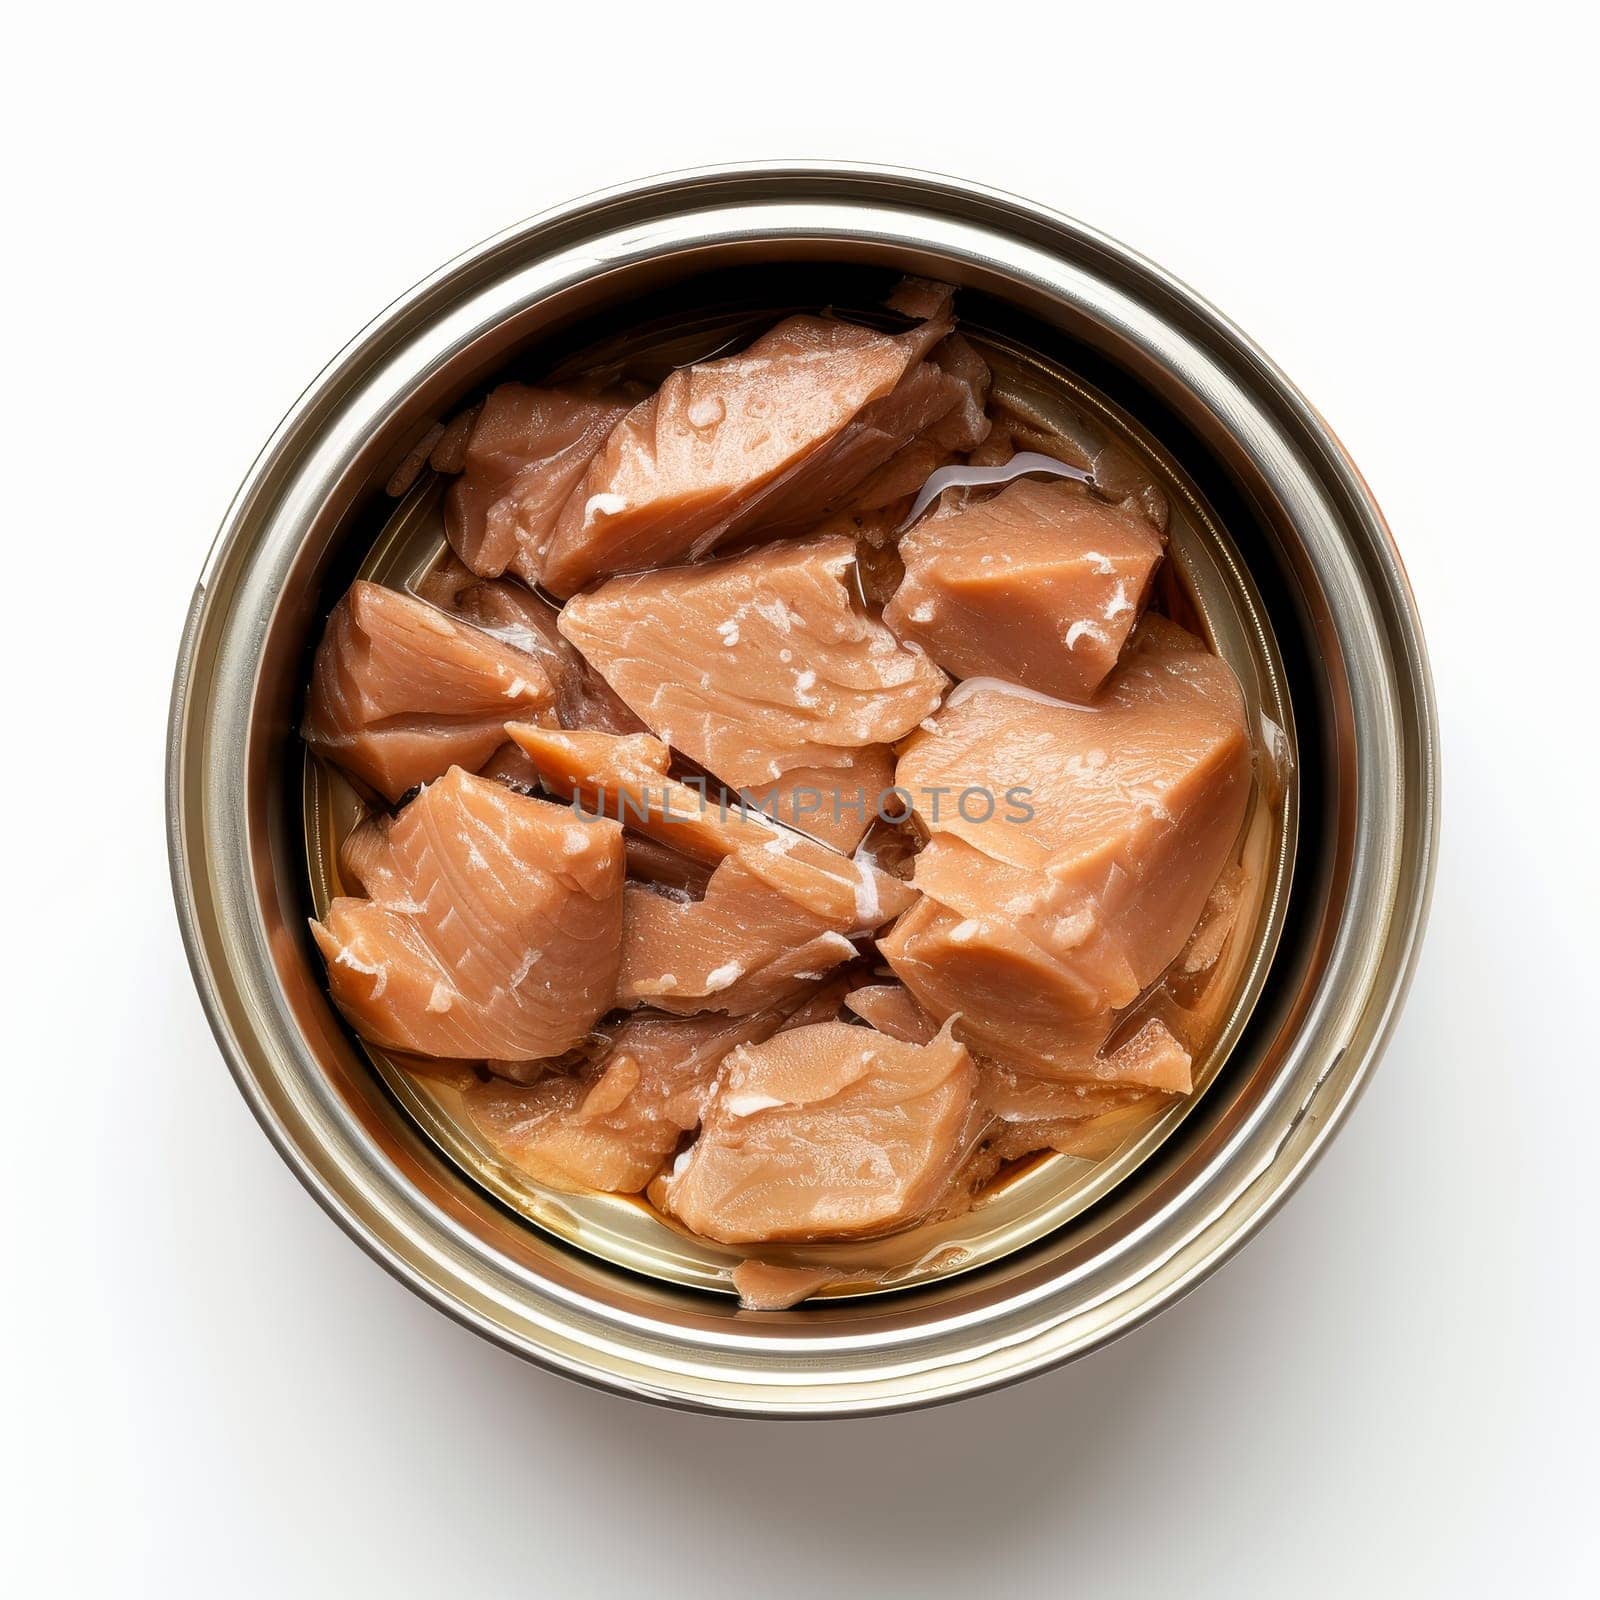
x=1287 y=560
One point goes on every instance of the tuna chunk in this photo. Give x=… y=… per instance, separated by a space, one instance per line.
x=792 y=677
x=966 y=425
x=1019 y=1001
x=1088 y=1116
x=891 y=1010
x=825 y=1003
x=1015 y=998
x=627 y=777
x=1027 y=419
x=400 y=692
x=492 y=926
x=1091 y=1138
x=770 y=437
x=1150 y=1060
x=742 y=948
x=936 y=406
x=834 y=804
x=1037 y=927
x=615 y=1125
x=777 y=914
x=527 y=452
x=763 y=1286
x=673 y=873
x=831 y=1131
x=1217 y=923
x=521 y=618
x=895 y=485
x=1165 y=742
x=1039 y=585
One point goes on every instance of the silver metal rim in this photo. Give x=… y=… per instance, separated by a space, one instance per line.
x=1037 y=1320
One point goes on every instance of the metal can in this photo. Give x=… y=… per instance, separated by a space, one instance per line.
x=1313 y=550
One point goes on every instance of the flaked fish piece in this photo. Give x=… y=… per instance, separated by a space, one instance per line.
x=400 y=692
x=1195 y=994
x=512 y=613
x=760 y=438
x=836 y=804
x=788 y=671
x=627 y=777
x=766 y=1286
x=1039 y=585
x=890 y=1008
x=1217 y=922
x=1091 y=1138
x=777 y=914
x=823 y=1003
x=898 y=481
x=615 y=1125
x=921 y=299
x=612 y=1122
x=526 y=453
x=492 y=927
x=745 y=946
x=671 y=871
x=999 y=447
x=508 y=765
x=448 y=453
x=831 y=1131
x=1066 y=942
x=770 y=1285
x=937 y=403
x=853 y=894
x=1163 y=747
x=1028 y=420
x=1013 y=999
x=366 y=860
x=410 y=469
x=966 y=425
x=1037 y=926
x=961 y=428
x=442 y=447
x=1150 y=1059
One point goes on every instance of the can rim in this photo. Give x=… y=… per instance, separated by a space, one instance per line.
x=430 y=1265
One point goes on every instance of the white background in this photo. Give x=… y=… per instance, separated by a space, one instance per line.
x=211 y=1391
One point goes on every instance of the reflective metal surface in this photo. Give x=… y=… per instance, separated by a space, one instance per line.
x=1317 y=556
